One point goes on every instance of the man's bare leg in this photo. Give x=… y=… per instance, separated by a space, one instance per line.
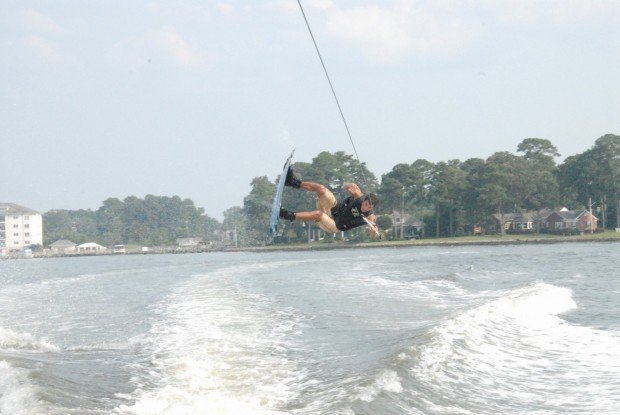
x=317 y=188
x=315 y=216
x=324 y=197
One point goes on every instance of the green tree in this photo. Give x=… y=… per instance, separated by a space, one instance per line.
x=495 y=193
x=594 y=175
x=78 y=226
x=154 y=220
x=540 y=151
x=408 y=183
x=448 y=184
x=474 y=170
x=606 y=152
x=109 y=221
x=405 y=188
x=257 y=208
x=334 y=170
x=539 y=169
x=234 y=225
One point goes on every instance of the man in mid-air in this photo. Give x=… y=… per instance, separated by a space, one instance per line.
x=333 y=216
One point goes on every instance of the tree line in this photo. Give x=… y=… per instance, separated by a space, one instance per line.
x=449 y=197
x=452 y=197
x=455 y=196
x=152 y=221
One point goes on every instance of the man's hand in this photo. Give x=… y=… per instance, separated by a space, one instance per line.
x=373 y=229
x=353 y=190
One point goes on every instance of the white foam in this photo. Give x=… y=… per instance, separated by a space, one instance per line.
x=438 y=293
x=10 y=339
x=217 y=350
x=386 y=381
x=95 y=347
x=17 y=394
x=518 y=347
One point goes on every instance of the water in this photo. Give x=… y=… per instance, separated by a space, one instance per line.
x=426 y=330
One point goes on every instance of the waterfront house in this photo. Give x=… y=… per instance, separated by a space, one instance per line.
x=560 y=219
x=119 y=249
x=63 y=246
x=90 y=248
x=522 y=221
x=405 y=226
x=580 y=220
x=20 y=227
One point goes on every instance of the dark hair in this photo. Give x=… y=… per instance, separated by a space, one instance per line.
x=372 y=198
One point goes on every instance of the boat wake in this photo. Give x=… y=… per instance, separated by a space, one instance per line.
x=516 y=346
x=217 y=350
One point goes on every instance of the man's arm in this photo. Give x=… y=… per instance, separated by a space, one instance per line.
x=373 y=229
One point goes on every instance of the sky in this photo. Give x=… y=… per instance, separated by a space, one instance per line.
x=104 y=99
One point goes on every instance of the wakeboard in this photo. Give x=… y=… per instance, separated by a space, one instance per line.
x=274 y=219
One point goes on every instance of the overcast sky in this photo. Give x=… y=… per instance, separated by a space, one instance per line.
x=106 y=99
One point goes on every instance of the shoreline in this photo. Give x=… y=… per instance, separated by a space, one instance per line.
x=439 y=242
x=425 y=243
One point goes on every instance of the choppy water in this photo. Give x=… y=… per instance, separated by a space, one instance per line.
x=476 y=330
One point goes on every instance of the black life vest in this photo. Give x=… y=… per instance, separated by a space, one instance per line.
x=348 y=213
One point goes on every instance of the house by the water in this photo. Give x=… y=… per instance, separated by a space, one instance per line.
x=554 y=220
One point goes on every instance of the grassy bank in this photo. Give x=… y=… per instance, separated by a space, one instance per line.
x=609 y=236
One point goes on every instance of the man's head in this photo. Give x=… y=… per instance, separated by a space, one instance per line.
x=371 y=200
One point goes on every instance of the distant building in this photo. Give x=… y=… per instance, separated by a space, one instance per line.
x=63 y=246
x=522 y=221
x=119 y=249
x=581 y=220
x=20 y=227
x=561 y=219
x=90 y=248
x=190 y=242
x=405 y=226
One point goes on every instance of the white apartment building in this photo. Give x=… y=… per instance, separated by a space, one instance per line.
x=20 y=227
